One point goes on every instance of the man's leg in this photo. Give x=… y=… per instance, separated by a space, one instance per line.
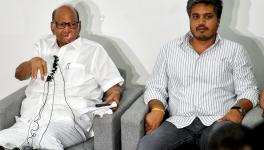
x=166 y=137
x=59 y=135
x=14 y=136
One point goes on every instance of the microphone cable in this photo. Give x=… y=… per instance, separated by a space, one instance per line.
x=50 y=114
x=32 y=132
x=74 y=117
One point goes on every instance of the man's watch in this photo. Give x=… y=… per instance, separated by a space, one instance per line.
x=240 y=109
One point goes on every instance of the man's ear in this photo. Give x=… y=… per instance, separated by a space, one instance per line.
x=52 y=27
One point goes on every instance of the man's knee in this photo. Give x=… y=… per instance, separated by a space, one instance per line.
x=148 y=143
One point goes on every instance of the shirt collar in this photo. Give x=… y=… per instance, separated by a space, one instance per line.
x=75 y=44
x=186 y=39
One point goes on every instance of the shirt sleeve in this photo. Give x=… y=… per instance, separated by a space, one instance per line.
x=106 y=73
x=157 y=85
x=244 y=78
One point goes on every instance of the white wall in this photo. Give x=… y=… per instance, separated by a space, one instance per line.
x=133 y=30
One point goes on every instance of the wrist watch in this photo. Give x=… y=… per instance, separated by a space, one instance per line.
x=240 y=109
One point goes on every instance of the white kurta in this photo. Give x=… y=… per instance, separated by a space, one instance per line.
x=84 y=73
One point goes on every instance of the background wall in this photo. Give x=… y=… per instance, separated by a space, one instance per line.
x=132 y=31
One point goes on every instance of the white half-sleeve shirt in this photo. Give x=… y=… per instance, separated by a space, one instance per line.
x=84 y=73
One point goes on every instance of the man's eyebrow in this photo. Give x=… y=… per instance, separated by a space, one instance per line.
x=209 y=13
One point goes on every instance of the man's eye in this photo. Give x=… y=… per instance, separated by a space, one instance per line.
x=195 y=16
x=209 y=16
x=73 y=24
x=61 y=24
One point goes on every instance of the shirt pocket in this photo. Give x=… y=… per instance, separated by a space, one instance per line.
x=74 y=74
x=217 y=71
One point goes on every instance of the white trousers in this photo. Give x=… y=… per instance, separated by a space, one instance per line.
x=58 y=135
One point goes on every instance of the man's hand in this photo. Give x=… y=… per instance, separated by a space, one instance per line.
x=153 y=120
x=113 y=95
x=38 y=63
x=30 y=68
x=261 y=99
x=234 y=116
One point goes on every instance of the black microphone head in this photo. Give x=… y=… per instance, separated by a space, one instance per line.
x=55 y=65
x=56 y=58
x=49 y=78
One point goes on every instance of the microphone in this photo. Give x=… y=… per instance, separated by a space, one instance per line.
x=55 y=64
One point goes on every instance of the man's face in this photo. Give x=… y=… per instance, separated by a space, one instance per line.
x=203 y=22
x=65 y=26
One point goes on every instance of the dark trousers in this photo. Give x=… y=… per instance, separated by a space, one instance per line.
x=169 y=137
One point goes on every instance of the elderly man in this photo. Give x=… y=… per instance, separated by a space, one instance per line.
x=68 y=74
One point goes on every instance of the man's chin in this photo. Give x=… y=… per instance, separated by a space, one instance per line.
x=67 y=41
x=203 y=37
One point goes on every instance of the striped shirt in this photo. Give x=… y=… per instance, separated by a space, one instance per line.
x=205 y=86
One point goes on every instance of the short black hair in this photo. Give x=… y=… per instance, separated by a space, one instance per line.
x=54 y=12
x=230 y=136
x=218 y=6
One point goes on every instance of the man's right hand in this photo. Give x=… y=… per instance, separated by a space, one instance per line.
x=38 y=63
x=153 y=120
x=30 y=68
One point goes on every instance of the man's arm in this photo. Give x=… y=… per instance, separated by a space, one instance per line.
x=30 y=68
x=156 y=93
x=113 y=95
x=234 y=115
x=154 y=118
x=245 y=104
x=23 y=71
x=245 y=86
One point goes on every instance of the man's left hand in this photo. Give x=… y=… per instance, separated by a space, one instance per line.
x=113 y=95
x=234 y=116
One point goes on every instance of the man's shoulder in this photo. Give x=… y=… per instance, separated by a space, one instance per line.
x=174 y=42
x=48 y=37
x=172 y=45
x=89 y=43
x=90 y=47
x=230 y=43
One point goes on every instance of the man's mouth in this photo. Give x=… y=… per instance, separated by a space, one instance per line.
x=201 y=29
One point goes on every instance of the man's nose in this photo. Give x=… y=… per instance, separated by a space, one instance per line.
x=202 y=21
x=67 y=28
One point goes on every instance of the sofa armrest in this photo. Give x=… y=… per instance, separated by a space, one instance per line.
x=253 y=117
x=107 y=130
x=132 y=124
x=10 y=107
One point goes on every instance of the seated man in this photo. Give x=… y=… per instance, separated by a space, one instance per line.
x=204 y=81
x=67 y=74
